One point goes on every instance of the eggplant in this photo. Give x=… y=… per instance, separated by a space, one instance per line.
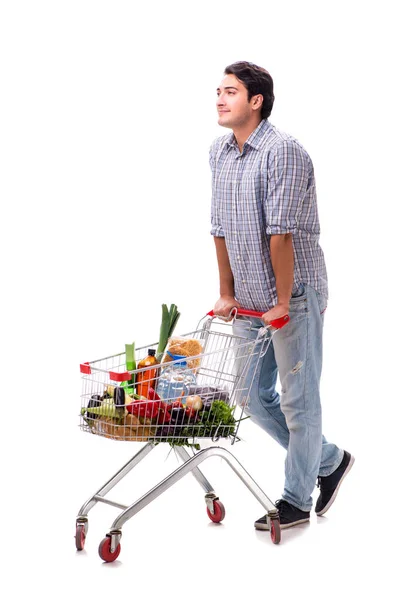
x=119 y=396
x=165 y=432
x=178 y=416
x=119 y=400
x=94 y=402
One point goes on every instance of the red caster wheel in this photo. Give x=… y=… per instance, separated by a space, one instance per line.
x=275 y=531
x=105 y=550
x=219 y=512
x=80 y=536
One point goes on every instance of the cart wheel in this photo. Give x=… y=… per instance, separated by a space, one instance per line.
x=219 y=512
x=105 y=550
x=80 y=536
x=275 y=531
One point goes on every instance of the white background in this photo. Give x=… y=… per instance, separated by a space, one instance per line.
x=107 y=115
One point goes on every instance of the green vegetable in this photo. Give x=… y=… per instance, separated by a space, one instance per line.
x=107 y=409
x=221 y=411
x=173 y=318
x=130 y=360
x=176 y=442
x=164 y=329
x=219 y=420
x=169 y=320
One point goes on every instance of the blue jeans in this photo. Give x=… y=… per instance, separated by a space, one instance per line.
x=294 y=418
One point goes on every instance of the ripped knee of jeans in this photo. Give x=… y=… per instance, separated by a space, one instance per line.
x=296 y=368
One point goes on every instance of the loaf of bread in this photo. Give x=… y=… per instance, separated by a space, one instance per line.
x=184 y=347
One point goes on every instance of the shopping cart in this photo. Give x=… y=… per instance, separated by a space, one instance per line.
x=207 y=399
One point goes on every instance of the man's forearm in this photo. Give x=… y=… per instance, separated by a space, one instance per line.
x=282 y=259
x=226 y=282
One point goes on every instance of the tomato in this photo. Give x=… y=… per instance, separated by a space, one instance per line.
x=176 y=404
x=190 y=413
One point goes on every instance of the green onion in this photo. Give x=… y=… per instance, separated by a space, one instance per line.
x=173 y=318
x=169 y=320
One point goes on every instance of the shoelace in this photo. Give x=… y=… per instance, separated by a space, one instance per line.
x=281 y=505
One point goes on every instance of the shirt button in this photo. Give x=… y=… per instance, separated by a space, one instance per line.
x=238 y=257
x=243 y=281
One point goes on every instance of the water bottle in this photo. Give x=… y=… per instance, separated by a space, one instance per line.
x=175 y=379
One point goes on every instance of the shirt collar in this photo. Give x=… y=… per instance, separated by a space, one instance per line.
x=255 y=138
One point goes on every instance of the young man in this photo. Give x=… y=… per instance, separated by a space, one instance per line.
x=266 y=232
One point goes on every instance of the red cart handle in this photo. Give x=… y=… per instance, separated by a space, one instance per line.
x=276 y=323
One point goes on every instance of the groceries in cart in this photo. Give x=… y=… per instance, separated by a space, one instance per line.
x=200 y=411
x=183 y=347
x=175 y=379
x=166 y=393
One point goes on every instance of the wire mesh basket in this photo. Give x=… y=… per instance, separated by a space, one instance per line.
x=198 y=388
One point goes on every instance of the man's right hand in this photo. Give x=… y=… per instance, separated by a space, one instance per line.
x=224 y=306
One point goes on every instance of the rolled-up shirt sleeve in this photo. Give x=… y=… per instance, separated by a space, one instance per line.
x=288 y=176
x=216 y=227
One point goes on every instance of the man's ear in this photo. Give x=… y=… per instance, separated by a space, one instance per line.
x=256 y=101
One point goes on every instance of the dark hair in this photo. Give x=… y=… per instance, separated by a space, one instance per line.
x=257 y=81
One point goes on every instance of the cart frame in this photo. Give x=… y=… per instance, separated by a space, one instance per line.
x=109 y=548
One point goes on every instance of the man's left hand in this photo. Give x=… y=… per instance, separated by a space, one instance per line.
x=276 y=312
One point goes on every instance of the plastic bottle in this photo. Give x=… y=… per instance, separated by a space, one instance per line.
x=147 y=379
x=175 y=380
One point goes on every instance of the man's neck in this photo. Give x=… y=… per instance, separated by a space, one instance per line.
x=242 y=133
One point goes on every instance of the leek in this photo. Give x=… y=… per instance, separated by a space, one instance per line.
x=169 y=320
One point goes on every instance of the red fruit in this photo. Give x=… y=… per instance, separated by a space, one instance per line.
x=164 y=416
x=152 y=394
x=190 y=413
x=144 y=408
x=129 y=408
x=176 y=404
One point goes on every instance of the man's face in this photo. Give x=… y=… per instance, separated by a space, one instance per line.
x=234 y=108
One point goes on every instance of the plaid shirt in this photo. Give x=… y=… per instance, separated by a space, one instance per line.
x=267 y=189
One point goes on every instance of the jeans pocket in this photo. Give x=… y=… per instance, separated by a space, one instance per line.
x=298 y=302
x=322 y=303
x=299 y=294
